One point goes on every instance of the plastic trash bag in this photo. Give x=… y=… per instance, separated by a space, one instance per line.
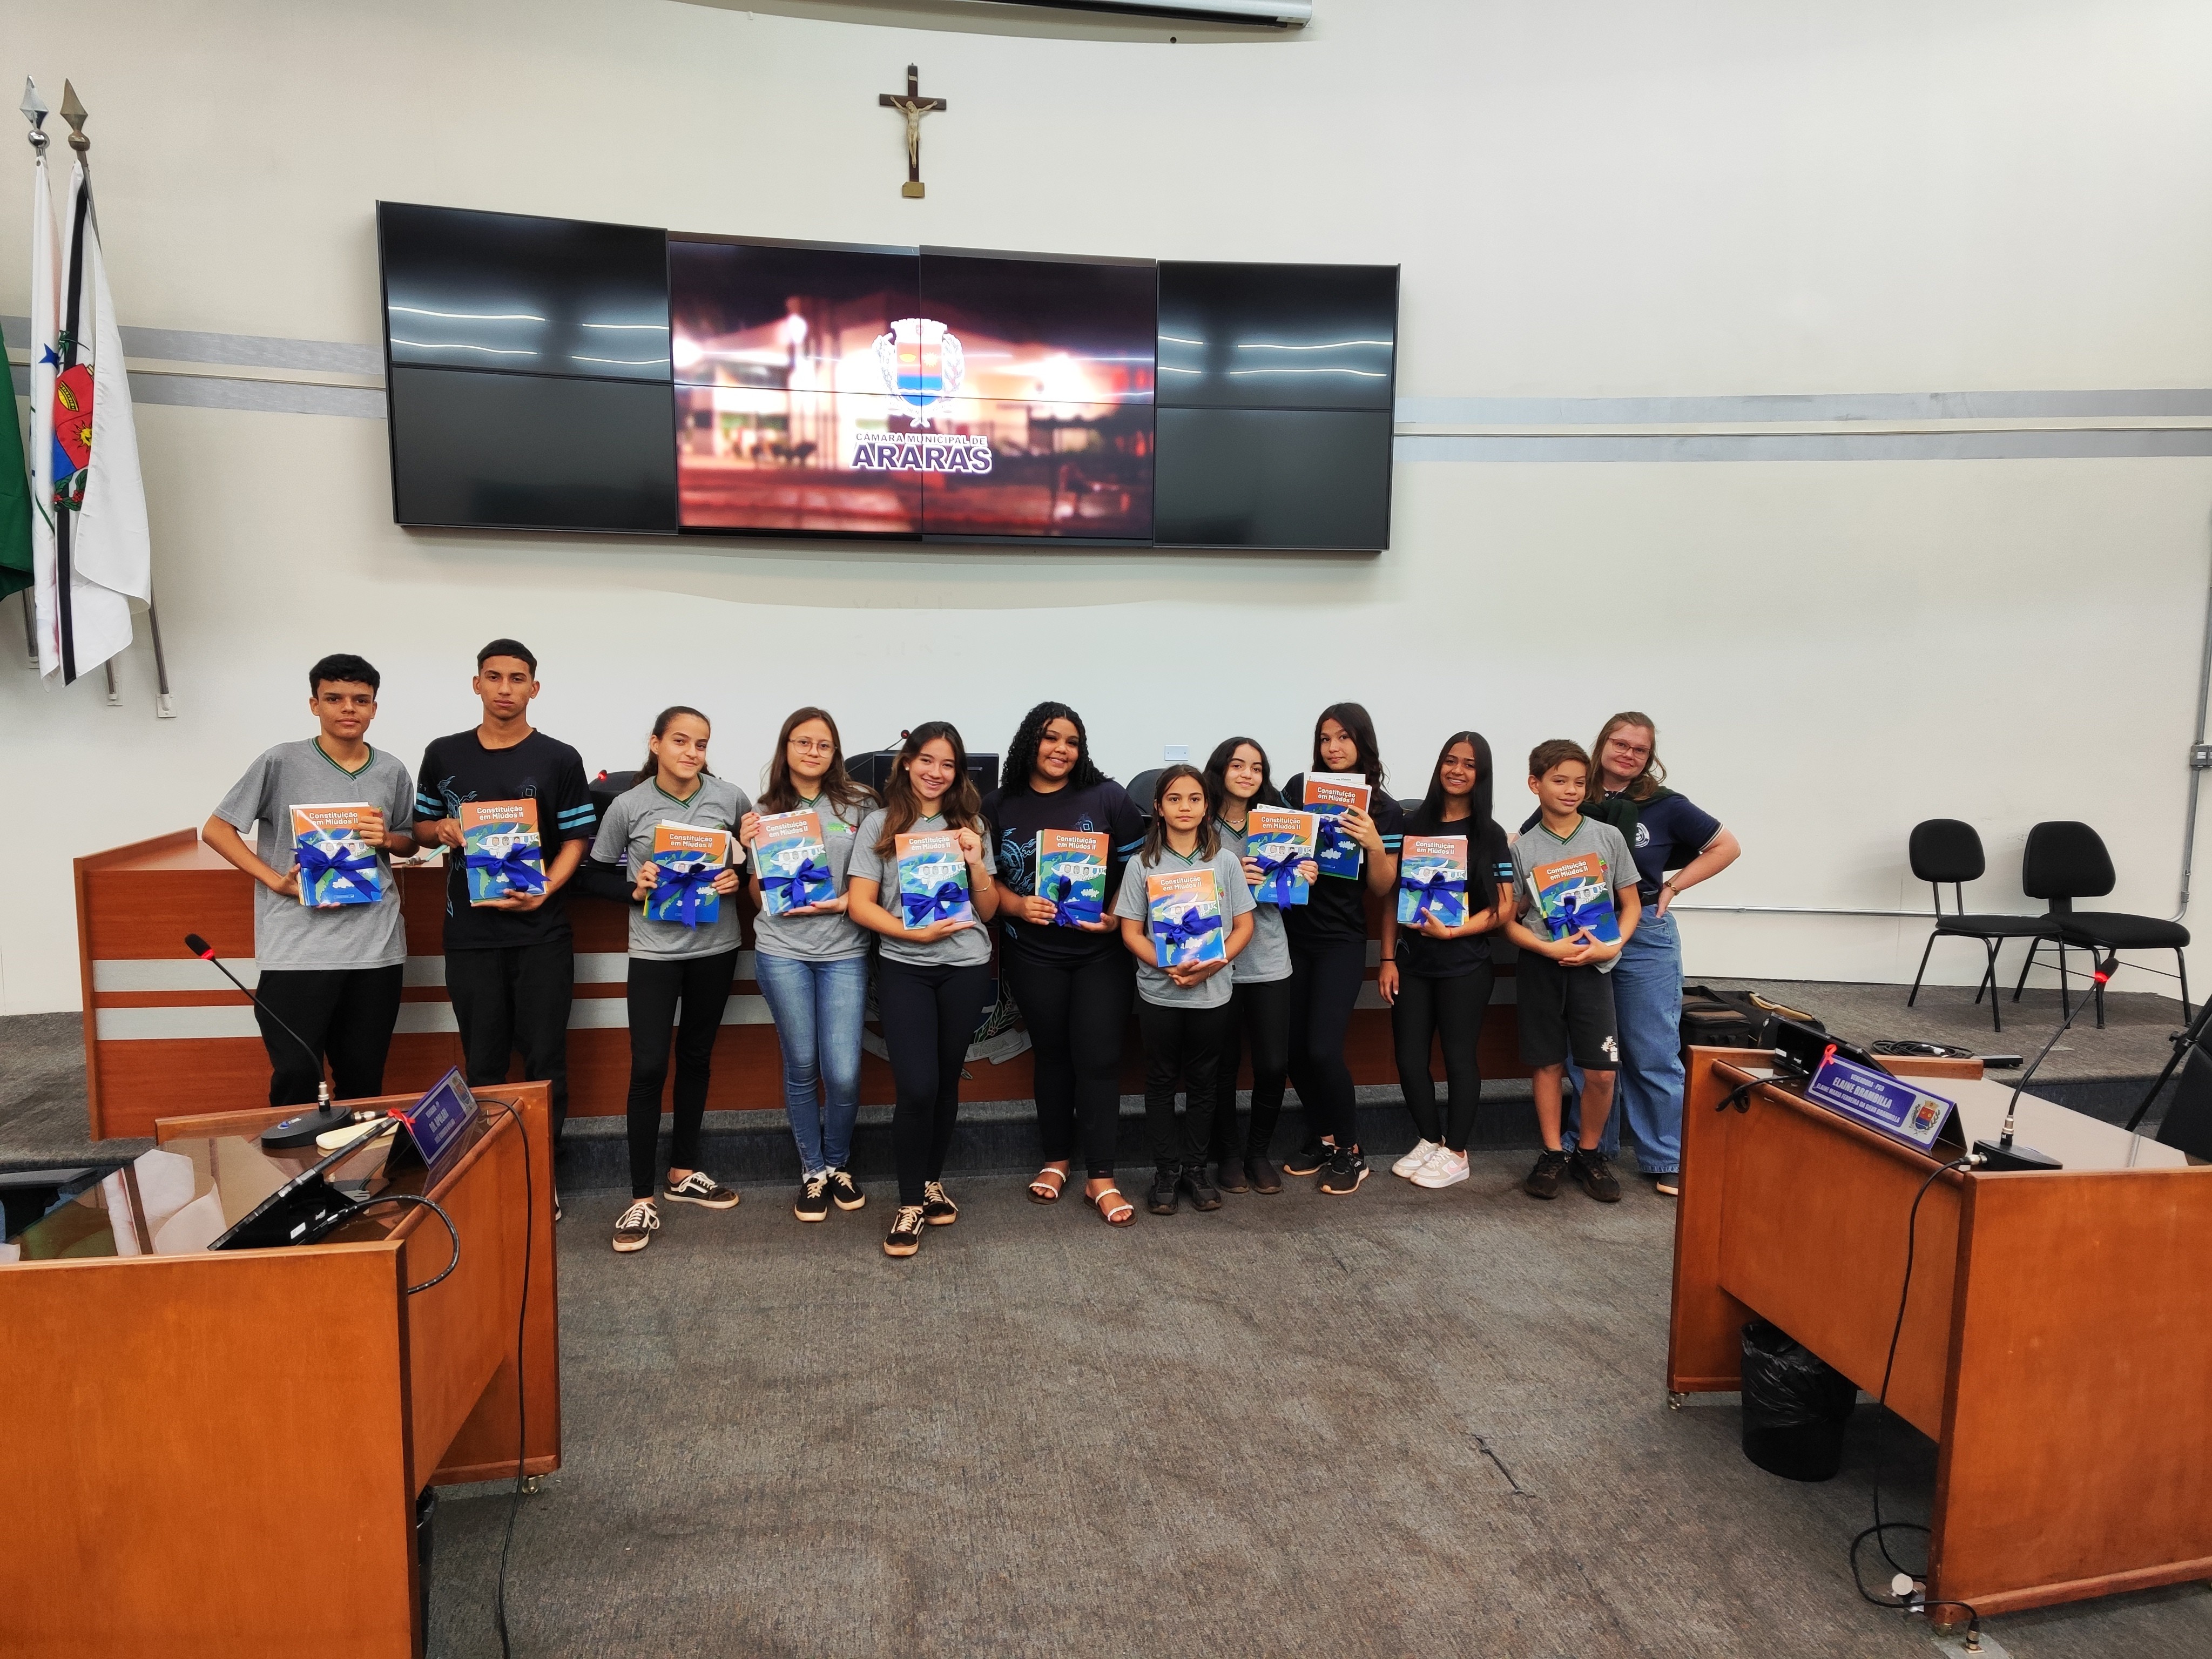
x=1794 y=1406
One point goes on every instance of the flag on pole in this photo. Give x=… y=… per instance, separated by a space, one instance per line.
x=87 y=445
x=15 y=506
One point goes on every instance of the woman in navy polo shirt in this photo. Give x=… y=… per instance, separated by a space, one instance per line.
x=1670 y=832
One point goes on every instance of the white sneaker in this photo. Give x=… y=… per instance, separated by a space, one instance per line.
x=1422 y=1152
x=1447 y=1169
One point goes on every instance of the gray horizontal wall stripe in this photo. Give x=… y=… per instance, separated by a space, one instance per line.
x=1760 y=407
x=180 y=345
x=1807 y=447
x=270 y=397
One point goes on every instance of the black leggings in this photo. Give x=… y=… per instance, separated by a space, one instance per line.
x=1260 y=1015
x=1325 y=981
x=1181 y=1044
x=1451 y=1009
x=702 y=984
x=929 y=1017
x=1076 y=1016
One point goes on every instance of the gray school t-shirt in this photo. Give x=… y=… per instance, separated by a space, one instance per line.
x=964 y=949
x=818 y=939
x=1267 y=956
x=1133 y=901
x=1540 y=846
x=626 y=837
x=288 y=934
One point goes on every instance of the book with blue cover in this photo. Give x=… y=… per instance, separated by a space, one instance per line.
x=501 y=850
x=1183 y=910
x=1278 y=839
x=689 y=857
x=336 y=865
x=1432 y=880
x=1575 y=896
x=1072 y=874
x=932 y=879
x=793 y=863
x=1331 y=795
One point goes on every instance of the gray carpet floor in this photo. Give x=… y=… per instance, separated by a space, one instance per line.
x=1401 y=1423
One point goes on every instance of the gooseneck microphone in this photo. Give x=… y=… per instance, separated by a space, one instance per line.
x=293 y=1131
x=2001 y=1154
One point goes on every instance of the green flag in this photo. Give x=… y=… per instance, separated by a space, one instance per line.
x=15 y=506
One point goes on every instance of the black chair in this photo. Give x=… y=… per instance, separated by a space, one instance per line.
x=1946 y=849
x=1139 y=791
x=2188 y=1121
x=2066 y=861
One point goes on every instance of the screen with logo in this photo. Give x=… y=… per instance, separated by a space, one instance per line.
x=894 y=392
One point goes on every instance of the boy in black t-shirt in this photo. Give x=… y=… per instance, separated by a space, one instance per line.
x=510 y=964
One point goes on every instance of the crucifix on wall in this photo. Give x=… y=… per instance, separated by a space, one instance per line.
x=913 y=106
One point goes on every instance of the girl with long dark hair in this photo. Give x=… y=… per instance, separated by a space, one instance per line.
x=1067 y=971
x=935 y=975
x=1437 y=977
x=671 y=964
x=1328 y=952
x=811 y=964
x=1239 y=778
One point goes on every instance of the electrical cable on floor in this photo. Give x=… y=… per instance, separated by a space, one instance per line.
x=521 y=1393
x=1905 y=1599
x=452 y=1233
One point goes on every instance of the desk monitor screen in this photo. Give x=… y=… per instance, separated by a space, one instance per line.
x=1800 y=1048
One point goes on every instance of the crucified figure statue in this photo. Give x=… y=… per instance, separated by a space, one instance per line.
x=913 y=106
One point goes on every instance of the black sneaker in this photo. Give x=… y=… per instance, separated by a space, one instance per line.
x=1543 y=1181
x=1594 y=1175
x=700 y=1188
x=634 y=1228
x=1263 y=1175
x=813 y=1199
x=1310 y=1158
x=1161 y=1200
x=938 y=1208
x=1203 y=1195
x=844 y=1191
x=906 y=1230
x=1668 y=1183
x=1346 y=1170
x=1231 y=1177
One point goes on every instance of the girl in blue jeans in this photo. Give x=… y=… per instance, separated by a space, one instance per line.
x=811 y=964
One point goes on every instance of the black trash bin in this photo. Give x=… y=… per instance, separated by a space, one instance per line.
x=1794 y=1406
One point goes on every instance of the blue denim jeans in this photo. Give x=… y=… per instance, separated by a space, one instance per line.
x=1647 y=1089
x=818 y=1008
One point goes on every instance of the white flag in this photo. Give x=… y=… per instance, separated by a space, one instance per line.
x=101 y=551
x=45 y=326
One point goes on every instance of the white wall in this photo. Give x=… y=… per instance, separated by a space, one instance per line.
x=1608 y=199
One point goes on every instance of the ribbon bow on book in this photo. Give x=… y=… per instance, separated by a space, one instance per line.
x=1574 y=917
x=1431 y=891
x=923 y=908
x=1277 y=877
x=515 y=867
x=1176 y=937
x=810 y=883
x=1069 y=907
x=685 y=883
x=1331 y=842
x=335 y=860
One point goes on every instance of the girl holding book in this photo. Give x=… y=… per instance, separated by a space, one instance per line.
x=1182 y=995
x=934 y=979
x=1066 y=969
x=811 y=960
x=1328 y=951
x=1437 y=975
x=671 y=962
x=1239 y=778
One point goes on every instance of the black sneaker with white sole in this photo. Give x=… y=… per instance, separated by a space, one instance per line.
x=813 y=1203
x=1594 y=1175
x=1161 y=1200
x=634 y=1228
x=844 y=1191
x=1346 y=1170
x=701 y=1188
x=905 y=1237
x=1310 y=1160
x=1543 y=1181
x=938 y=1208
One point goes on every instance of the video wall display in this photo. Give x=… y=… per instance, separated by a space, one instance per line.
x=544 y=375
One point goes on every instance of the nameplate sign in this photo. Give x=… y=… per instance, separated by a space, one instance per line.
x=1887 y=1104
x=438 y=1120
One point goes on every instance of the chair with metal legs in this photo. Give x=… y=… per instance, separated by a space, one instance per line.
x=2065 y=861
x=1946 y=849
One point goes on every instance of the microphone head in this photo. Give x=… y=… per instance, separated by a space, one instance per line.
x=2108 y=967
x=199 y=947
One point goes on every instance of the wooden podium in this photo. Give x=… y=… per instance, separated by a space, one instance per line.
x=222 y=1449
x=2056 y=1345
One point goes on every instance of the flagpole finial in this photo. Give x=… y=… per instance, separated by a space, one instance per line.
x=73 y=113
x=35 y=112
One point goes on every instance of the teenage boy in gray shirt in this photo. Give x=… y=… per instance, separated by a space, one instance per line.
x=1575 y=904
x=331 y=975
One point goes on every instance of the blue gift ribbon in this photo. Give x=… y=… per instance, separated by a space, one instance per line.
x=514 y=866
x=1190 y=930
x=1277 y=877
x=321 y=860
x=793 y=887
x=1331 y=841
x=686 y=882
x=923 y=908
x=1431 y=891
x=1571 y=920
x=1070 y=907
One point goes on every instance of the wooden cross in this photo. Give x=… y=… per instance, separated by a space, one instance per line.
x=913 y=106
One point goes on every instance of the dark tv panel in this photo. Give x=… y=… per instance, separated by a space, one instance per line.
x=1278 y=336
x=526 y=369
x=1274 y=479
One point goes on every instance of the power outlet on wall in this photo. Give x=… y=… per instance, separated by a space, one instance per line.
x=1176 y=751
